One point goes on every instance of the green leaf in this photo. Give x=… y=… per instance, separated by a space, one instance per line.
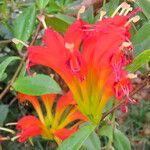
x=92 y=142
x=5 y=63
x=37 y=85
x=111 y=6
x=142 y=37
x=106 y=130
x=60 y=22
x=121 y=142
x=24 y=24
x=88 y=15
x=75 y=141
x=42 y=3
x=3 y=111
x=139 y=60
x=145 y=5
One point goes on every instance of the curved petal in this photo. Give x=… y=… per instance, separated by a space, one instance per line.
x=75 y=34
x=27 y=122
x=65 y=133
x=29 y=132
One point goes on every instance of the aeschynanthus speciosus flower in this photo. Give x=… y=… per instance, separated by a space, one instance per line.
x=50 y=125
x=91 y=60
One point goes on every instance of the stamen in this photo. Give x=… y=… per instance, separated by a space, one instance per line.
x=124 y=108
x=134 y=20
x=15 y=137
x=127 y=11
x=131 y=76
x=69 y=46
x=81 y=11
x=125 y=44
x=134 y=12
x=102 y=14
x=17 y=41
x=118 y=8
x=4 y=138
x=124 y=8
x=11 y=123
x=7 y=130
x=42 y=19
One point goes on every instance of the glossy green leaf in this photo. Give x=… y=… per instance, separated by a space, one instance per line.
x=36 y=85
x=141 y=39
x=60 y=22
x=145 y=5
x=106 y=130
x=92 y=143
x=5 y=63
x=139 y=60
x=121 y=142
x=24 y=24
x=75 y=141
x=3 y=111
x=42 y=3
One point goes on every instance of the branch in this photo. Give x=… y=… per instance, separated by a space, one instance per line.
x=132 y=93
x=5 y=41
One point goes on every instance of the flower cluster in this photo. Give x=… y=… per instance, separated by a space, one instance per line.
x=91 y=60
x=55 y=124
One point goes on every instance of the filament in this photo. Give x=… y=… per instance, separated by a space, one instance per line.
x=81 y=11
x=7 y=130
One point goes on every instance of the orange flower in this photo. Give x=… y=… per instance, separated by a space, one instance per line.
x=51 y=125
x=90 y=59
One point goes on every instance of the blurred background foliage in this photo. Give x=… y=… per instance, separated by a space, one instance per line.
x=18 y=19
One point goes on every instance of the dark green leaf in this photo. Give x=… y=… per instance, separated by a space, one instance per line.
x=121 y=142
x=24 y=24
x=145 y=5
x=141 y=39
x=75 y=141
x=139 y=60
x=37 y=85
x=3 y=111
x=60 y=22
x=5 y=63
x=92 y=142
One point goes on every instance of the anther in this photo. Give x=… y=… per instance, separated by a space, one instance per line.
x=134 y=20
x=131 y=76
x=4 y=138
x=17 y=41
x=124 y=8
x=125 y=44
x=42 y=19
x=102 y=14
x=81 y=11
x=69 y=46
x=7 y=130
x=118 y=8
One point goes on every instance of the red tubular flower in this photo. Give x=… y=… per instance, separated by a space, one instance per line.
x=90 y=58
x=49 y=125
